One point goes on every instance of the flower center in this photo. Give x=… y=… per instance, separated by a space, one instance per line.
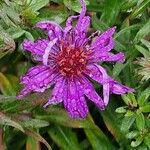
x=72 y=61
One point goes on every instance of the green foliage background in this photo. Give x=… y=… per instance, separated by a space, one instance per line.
x=124 y=125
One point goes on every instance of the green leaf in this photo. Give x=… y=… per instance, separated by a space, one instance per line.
x=98 y=139
x=8 y=44
x=147 y=140
x=137 y=142
x=64 y=137
x=59 y=116
x=143 y=97
x=14 y=81
x=126 y=29
x=146 y=43
x=58 y=15
x=34 y=123
x=129 y=113
x=145 y=30
x=4 y=99
x=145 y=109
x=126 y=99
x=11 y=106
x=132 y=134
x=112 y=123
x=111 y=11
x=94 y=7
x=5 y=86
x=129 y=99
x=9 y=15
x=118 y=67
x=32 y=144
x=74 y=4
x=4 y=120
x=35 y=5
x=38 y=137
x=143 y=51
x=97 y=24
x=127 y=4
x=29 y=36
x=121 y=110
x=127 y=122
x=16 y=32
x=140 y=120
x=140 y=8
x=133 y=99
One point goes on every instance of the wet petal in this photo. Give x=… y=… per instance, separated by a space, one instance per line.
x=117 y=88
x=84 y=24
x=74 y=101
x=69 y=22
x=38 y=78
x=47 y=51
x=57 y=93
x=99 y=74
x=80 y=28
x=90 y=92
x=38 y=47
x=82 y=13
x=108 y=57
x=41 y=49
x=54 y=30
x=104 y=42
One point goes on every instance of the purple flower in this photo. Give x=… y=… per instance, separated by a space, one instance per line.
x=69 y=61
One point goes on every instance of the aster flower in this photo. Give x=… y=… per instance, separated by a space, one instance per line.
x=69 y=61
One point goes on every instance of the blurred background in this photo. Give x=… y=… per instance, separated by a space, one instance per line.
x=124 y=125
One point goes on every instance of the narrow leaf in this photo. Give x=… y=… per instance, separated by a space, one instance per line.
x=61 y=117
x=145 y=109
x=137 y=142
x=145 y=30
x=127 y=123
x=121 y=110
x=4 y=120
x=64 y=137
x=111 y=11
x=132 y=134
x=38 y=137
x=32 y=144
x=140 y=8
x=140 y=120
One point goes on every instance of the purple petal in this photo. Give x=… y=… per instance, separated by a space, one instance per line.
x=83 y=11
x=23 y=93
x=117 y=88
x=41 y=49
x=84 y=24
x=54 y=30
x=47 y=51
x=104 y=42
x=57 y=93
x=95 y=73
x=99 y=74
x=69 y=22
x=115 y=57
x=108 y=57
x=38 y=47
x=38 y=78
x=90 y=92
x=74 y=101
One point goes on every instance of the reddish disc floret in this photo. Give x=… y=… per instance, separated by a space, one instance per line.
x=72 y=60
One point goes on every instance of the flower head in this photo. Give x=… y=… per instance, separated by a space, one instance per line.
x=68 y=60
